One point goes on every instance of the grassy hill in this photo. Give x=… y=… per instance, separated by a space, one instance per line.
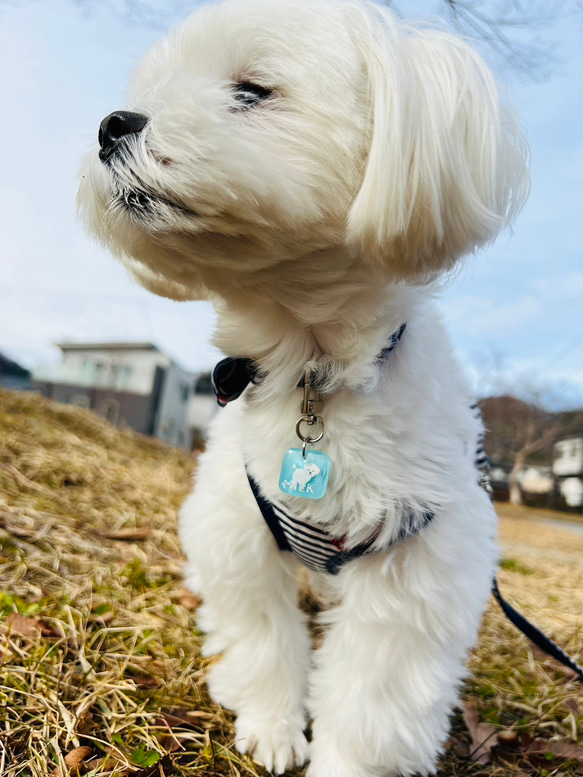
x=100 y=664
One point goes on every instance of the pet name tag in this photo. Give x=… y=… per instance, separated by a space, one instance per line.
x=306 y=477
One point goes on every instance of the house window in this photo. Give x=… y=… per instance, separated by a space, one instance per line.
x=203 y=384
x=99 y=373
x=109 y=409
x=87 y=371
x=168 y=429
x=126 y=376
x=80 y=400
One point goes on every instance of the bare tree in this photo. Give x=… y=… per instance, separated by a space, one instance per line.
x=516 y=32
x=511 y=29
x=515 y=431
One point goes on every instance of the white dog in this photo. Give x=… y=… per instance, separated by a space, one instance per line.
x=311 y=166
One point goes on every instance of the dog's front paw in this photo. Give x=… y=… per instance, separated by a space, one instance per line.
x=277 y=745
x=326 y=762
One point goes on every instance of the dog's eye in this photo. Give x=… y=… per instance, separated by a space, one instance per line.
x=247 y=94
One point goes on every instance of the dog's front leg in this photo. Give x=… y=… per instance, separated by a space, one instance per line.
x=388 y=672
x=250 y=611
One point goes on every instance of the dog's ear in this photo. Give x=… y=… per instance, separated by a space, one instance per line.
x=446 y=167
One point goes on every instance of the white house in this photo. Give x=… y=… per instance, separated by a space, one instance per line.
x=202 y=408
x=568 y=457
x=536 y=480
x=568 y=470
x=135 y=384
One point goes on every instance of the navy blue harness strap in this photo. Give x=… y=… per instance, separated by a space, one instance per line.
x=335 y=564
x=392 y=343
x=534 y=634
x=269 y=515
x=315 y=547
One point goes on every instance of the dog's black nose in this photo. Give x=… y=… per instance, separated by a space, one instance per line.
x=116 y=126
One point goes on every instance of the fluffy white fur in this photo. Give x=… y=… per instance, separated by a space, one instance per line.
x=315 y=221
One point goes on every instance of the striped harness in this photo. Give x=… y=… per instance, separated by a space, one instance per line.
x=314 y=547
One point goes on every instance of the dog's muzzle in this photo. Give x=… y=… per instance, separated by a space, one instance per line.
x=117 y=126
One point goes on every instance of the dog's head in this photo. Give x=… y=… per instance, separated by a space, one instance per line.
x=312 y=470
x=264 y=130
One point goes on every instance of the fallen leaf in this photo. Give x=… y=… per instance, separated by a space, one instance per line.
x=175 y=718
x=23 y=625
x=97 y=762
x=484 y=737
x=123 y=534
x=106 y=763
x=170 y=722
x=558 y=747
x=170 y=743
x=26 y=626
x=112 y=765
x=147 y=681
x=73 y=759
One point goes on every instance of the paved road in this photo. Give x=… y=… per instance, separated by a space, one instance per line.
x=577 y=528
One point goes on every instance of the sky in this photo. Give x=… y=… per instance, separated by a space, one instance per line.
x=514 y=311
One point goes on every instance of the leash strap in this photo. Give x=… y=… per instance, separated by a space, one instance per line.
x=535 y=634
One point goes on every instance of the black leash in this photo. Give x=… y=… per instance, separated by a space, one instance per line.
x=535 y=635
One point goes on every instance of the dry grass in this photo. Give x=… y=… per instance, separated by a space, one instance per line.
x=98 y=643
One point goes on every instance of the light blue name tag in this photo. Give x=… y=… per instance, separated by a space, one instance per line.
x=307 y=477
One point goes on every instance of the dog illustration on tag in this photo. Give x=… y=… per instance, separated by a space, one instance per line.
x=306 y=477
x=303 y=476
